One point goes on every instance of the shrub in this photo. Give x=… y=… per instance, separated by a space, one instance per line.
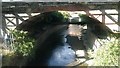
x=108 y=53
x=22 y=44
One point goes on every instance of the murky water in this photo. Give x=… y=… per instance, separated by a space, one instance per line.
x=62 y=56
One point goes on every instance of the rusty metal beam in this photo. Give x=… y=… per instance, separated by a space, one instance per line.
x=110 y=23
x=103 y=16
x=112 y=18
x=25 y=7
x=107 y=14
x=8 y=20
x=19 y=17
x=29 y=14
x=15 y=17
x=17 y=21
x=38 y=7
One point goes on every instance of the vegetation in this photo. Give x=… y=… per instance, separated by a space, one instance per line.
x=108 y=53
x=22 y=43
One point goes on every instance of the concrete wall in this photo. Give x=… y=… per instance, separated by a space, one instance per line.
x=0 y=22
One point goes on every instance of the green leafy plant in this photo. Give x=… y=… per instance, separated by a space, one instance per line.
x=108 y=53
x=22 y=44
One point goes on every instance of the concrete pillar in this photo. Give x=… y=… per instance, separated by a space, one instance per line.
x=0 y=33
x=0 y=22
